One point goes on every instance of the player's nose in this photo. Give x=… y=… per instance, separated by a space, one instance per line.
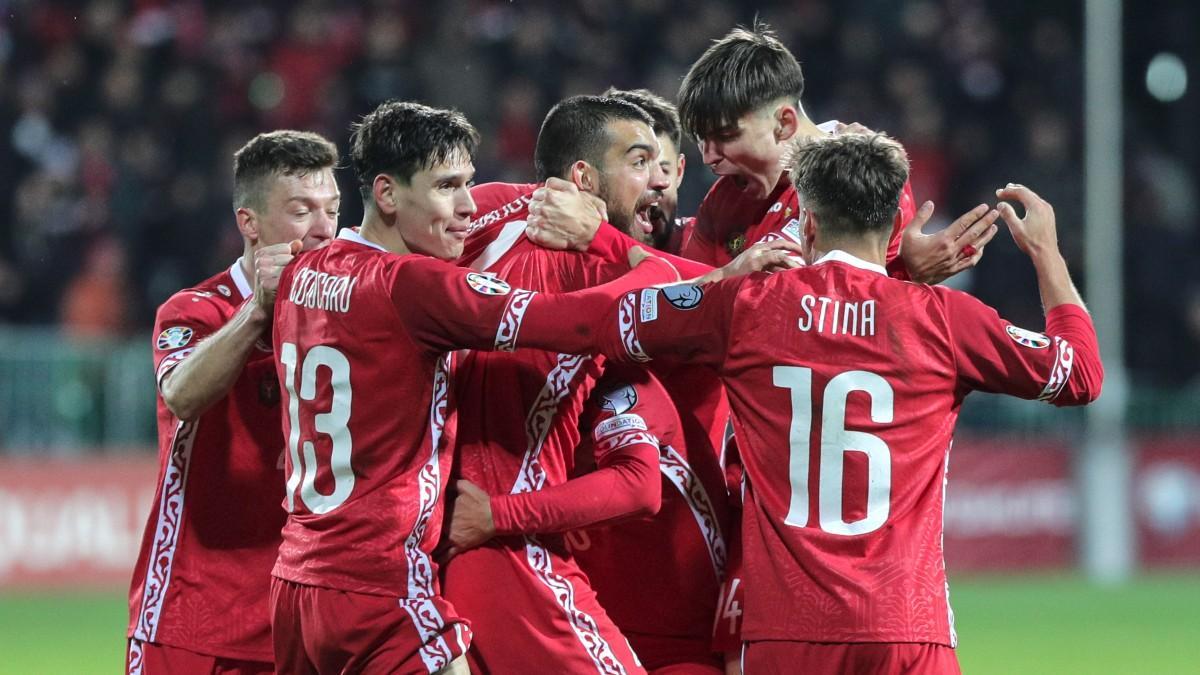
x=709 y=151
x=658 y=178
x=464 y=204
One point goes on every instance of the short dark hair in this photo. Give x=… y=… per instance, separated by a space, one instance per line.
x=662 y=111
x=400 y=138
x=277 y=153
x=577 y=128
x=851 y=181
x=746 y=69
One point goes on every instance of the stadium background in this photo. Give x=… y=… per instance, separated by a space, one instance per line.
x=118 y=121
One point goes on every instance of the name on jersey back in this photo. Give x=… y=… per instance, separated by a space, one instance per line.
x=318 y=290
x=832 y=316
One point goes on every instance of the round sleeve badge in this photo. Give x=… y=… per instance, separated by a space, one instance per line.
x=174 y=337
x=683 y=296
x=486 y=285
x=1027 y=338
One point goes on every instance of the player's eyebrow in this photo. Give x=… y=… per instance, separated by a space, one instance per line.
x=640 y=146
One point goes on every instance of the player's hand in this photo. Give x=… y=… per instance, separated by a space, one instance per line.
x=765 y=256
x=852 y=128
x=932 y=258
x=561 y=217
x=269 y=262
x=1036 y=233
x=471 y=522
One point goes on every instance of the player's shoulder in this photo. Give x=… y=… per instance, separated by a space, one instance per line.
x=630 y=390
x=496 y=202
x=219 y=294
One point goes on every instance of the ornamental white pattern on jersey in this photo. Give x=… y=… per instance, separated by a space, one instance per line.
x=541 y=418
x=435 y=653
x=680 y=473
x=166 y=537
x=429 y=487
x=510 y=322
x=582 y=623
x=627 y=326
x=1061 y=371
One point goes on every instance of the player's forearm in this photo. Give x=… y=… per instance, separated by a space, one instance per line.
x=612 y=244
x=207 y=375
x=1054 y=280
x=567 y=323
x=626 y=486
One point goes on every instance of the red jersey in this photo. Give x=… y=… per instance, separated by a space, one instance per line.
x=658 y=576
x=523 y=424
x=845 y=387
x=362 y=337
x=729 y=221
x=202 y=578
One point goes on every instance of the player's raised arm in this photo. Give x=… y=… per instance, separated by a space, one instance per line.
x=1061 y=366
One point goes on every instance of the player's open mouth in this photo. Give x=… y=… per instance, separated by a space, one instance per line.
x=643 y=216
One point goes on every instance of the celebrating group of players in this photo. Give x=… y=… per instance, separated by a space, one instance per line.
x=500 y=429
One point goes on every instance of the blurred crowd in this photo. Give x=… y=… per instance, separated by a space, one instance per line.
x=118 y=121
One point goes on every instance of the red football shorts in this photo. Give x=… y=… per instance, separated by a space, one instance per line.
x=322 y=630
x=145 y=658
x=770 y=657
x=533 y=611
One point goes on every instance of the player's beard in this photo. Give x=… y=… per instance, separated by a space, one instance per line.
x=630 y=220
x=662 y=218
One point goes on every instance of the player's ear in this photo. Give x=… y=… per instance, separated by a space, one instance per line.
x=585 y=177
x=383 y=189
x=808 y=221
x=247 y=222
x=787 y=122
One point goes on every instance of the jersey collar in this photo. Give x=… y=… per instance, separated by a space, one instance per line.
x=351 y=234
x=841 y=256
x=240 y=280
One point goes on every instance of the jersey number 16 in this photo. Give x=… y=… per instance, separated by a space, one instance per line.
x=836 y=441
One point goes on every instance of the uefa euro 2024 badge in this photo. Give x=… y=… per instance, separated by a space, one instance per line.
x=174 y=337
x=1027 y=338
x=486 y=285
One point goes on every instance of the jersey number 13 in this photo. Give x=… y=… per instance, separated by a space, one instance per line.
x=333 y=423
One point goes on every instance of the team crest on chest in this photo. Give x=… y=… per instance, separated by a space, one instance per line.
x=268 y=389
x=1027 y=338
x=174 y=337
x=736 y=243
x=485 y=285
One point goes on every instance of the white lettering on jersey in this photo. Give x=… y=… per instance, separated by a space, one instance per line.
x=837 y=317
x=319 y=290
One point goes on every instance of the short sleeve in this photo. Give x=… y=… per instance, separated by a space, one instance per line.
x=180 y=324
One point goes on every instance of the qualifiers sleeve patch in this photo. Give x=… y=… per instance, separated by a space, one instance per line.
x=485 y=285
x=683 y=296
x=1027 y=338
x=174 y=337
x=618 y=400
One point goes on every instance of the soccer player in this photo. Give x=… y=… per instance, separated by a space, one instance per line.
x=520 y=422
x=741 y=102
x=364 y=330
x=198 y=602
x=845 y=385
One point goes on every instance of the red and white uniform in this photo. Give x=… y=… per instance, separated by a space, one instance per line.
x=362 y=337
x=202 y=578
x=659 y=576
x=845 y=386
x=518 y=431
x=730 y=221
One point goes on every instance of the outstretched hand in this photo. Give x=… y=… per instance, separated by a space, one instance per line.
x=932 y=258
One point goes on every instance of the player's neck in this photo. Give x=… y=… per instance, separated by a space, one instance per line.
x=376 y=231
x=247 y=261
x=871 y=252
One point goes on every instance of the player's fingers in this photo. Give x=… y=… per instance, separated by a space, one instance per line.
x=782 y=244
x=560 y=185
x=919 y=219
x=966 y=220
x=294 y=246
x=1009 y=214
x=983 y=239
x=977 y=229
x=1019 y=193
